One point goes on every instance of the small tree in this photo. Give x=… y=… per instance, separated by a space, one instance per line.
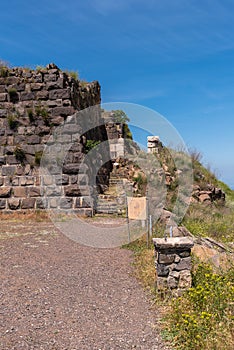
x=120 y=116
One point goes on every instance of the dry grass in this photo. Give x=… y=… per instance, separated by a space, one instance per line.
x=214 y=221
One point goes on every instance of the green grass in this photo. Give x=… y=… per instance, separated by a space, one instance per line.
x=72 y=74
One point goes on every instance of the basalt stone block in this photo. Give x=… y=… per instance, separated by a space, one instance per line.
x=71 y=168
x=34 y=192
x=42 y=95
x=53 y=202
x=3 y=140
x=77 y=157
x=72 y=191
x=41 y=203
x=8 y=170
x=27 y=96
x=5 y=192
x=175 y=274
x=9 y=150
x=28 y=203
x=38 y=78
x=62 y=180
x=14 y=203
x=12 y=160
x=55 y=170
x=18 y=87
x=47 y=180
x=3 y=113
x=27 y=180
x=172 y=282
x=36 y=86
x=162 y=270
x=12 y=80
x=66 y=203
x=3 y=97
x=2 y=203
x=185 y=280
x=185 y=253
x=20 y=139
x=184 y=264
x=29 y=149
x=85 y=190
x=74 y=179
x=15 y=181
x=53 y=191
x=83 y=202
x=59 y=84
x=50 y=77
x=63 y=111
x=173 y=243
x=57 y=120
x=2 y=160
x=166 y=259
x=20 y=192
x=2 y=88
x=19 y=170
x=33 y=139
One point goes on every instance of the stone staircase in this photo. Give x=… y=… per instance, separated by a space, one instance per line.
x=113 y=201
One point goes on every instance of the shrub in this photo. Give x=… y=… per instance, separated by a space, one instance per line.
x=126 y=132
x=30 y=115
x=4 y=72
x=203 y=316
x=40 y=68
x=90 y=144
x=19 y=154
x=12 y=121
x=43 y=112
x=13 y=95
x=4 y=69
x=38 y=156
x=73 y=74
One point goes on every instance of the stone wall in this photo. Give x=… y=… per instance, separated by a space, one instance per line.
x=173 y=263
x=32 y=104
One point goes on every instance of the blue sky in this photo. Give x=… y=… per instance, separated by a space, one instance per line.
x=176 y=57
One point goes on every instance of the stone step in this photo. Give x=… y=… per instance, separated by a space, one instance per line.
x=106 y=211
x=106 y=206
x=106 y=197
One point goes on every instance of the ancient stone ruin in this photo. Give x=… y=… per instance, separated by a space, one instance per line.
x=173 y=264
x=153 y=144
x=32 y=104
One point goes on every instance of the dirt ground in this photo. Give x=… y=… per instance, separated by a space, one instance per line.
x=59 y=295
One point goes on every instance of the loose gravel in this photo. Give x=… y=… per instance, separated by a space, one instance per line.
x=58 y=295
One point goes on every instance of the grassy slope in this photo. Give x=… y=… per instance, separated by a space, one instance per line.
x=204 y=315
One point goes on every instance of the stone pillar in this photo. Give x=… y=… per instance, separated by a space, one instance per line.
x=153 y=143
x=173 y=263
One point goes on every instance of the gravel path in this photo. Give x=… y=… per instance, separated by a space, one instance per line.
x=58 y=295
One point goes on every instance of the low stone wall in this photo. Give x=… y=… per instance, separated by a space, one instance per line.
x=173 y=263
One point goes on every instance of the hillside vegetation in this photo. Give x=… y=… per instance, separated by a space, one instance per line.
x=203 y=317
